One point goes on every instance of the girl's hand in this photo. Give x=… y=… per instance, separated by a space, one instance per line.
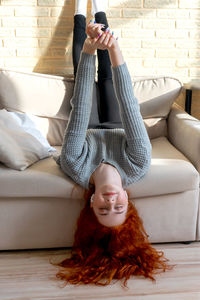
x=103 y=40
x=94 y=29
x=90 y=45
x=106 y=40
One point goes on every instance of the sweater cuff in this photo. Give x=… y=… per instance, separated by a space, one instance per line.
x=120 y=71
x=87 y=58
x=86 y=67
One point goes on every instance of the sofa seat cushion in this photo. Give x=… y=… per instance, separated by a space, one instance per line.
x=170 y=172
x=42 y=179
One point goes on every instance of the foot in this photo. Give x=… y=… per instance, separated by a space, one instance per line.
x=98 y=5
x=81 y=7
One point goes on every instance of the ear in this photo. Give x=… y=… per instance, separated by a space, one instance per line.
x=91 y=200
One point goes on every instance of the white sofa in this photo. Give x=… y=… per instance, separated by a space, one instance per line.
x=40 y=205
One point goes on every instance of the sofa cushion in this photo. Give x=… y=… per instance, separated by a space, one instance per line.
x=25 y=123
x=21 y=144
x=47 y=95
x=19 y=149
x=40 y=94
x=170 y=172
x=53 y=129
x=156 y=95
x=156 y=127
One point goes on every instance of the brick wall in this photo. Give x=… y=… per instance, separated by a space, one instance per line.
x=157 y=36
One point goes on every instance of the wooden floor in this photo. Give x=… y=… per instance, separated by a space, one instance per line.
x=27 y=275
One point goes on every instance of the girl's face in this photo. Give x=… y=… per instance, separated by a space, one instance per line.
x=110 y=205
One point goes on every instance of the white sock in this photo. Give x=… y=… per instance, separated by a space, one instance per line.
x=98 y=5
x=81 y=7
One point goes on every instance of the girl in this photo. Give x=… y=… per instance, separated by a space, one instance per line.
x=110 y=241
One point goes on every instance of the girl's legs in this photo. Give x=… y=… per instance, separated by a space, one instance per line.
x=108 y=106
x=79 y=34
x=79 y=37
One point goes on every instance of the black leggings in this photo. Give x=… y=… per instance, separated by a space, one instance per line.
x=108 y=108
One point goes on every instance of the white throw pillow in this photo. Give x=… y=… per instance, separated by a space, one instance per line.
x=27 y=122
x=21 y=144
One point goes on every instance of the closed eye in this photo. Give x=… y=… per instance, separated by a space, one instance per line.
x=119 y=207
x=103 y=211
x=117 y=213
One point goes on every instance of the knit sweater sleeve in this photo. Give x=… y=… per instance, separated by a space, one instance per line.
x=138 y=143
x=81 y=103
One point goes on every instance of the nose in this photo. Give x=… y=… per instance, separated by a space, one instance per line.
x=110 y=198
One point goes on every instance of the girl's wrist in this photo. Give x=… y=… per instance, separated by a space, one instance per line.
x=91 y=52
x=88 y=50
x=115 y=48
x=116 y=56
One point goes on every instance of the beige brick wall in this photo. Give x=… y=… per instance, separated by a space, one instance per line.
x=158 y=37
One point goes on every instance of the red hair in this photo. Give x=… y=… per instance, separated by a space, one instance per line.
x=100 y=253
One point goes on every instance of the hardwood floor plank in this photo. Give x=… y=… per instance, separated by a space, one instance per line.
x=28 y=275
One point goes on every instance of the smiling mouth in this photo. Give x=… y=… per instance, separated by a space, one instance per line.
x=109 y=194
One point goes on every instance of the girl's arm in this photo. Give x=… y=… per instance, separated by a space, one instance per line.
x=139 y=146
x=81 y=103
x=138 y=143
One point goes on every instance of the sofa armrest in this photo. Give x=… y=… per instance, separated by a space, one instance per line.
x=184 y=134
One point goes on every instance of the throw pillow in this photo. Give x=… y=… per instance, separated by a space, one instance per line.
x=21 y=144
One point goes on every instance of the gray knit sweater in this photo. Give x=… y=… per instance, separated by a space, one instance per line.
x=83 y=149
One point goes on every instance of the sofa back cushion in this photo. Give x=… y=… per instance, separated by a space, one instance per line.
x=156 y=95
x=48 y=97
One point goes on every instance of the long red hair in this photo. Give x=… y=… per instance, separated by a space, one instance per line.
x=101 y=254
